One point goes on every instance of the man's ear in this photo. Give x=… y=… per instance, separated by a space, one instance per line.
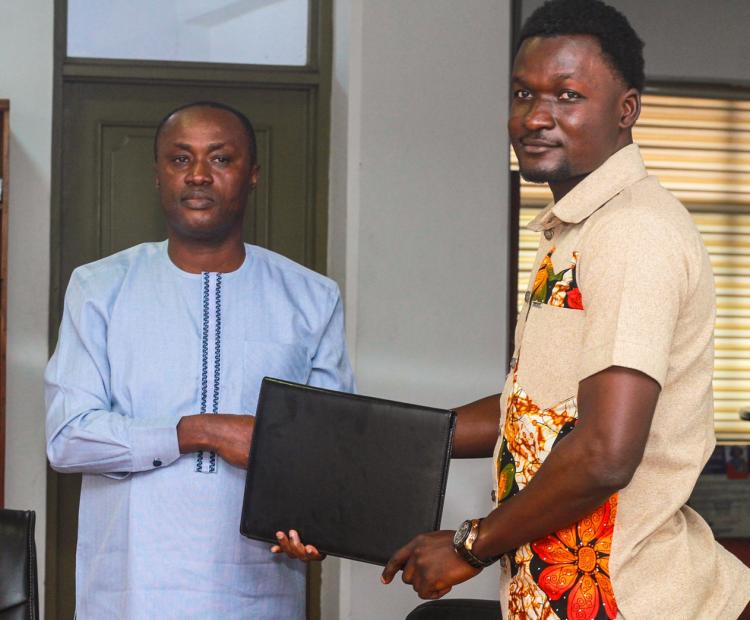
x=630 y=108
x=156 y=177
x=254 y=172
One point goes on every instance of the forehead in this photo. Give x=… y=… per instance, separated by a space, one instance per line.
x=577 y=57
x=199 y=125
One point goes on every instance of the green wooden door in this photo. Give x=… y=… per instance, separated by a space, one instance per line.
x=108 y=197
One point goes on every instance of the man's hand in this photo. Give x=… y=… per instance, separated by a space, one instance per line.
x=228 y=435
x=430 y=564
x=293 y=547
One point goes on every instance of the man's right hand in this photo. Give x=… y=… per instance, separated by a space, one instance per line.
x=230 y=436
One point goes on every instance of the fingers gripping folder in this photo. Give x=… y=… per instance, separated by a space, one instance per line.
x=357 y=477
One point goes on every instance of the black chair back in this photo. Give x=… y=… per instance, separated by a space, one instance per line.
x=457 y=609
x=19 y=595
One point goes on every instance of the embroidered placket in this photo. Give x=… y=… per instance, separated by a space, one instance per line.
x=206 y=462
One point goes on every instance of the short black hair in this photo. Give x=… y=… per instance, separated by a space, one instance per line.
x=617 y=39
x=248 y=126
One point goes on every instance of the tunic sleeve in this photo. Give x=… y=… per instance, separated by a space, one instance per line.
x=84 y=434
x=330 y=364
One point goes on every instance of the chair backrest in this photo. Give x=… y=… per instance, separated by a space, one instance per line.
x=19 y=595
x=457 y=609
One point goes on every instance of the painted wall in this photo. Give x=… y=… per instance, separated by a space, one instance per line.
x=26 y=79
x=418 y=231
x=689 y=39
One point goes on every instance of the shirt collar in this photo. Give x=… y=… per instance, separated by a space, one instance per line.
x=622 y=169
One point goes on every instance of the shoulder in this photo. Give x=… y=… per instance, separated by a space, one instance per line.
x=287 y=271
x=106 y=275
x=645 y=218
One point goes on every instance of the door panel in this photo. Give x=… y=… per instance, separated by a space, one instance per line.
x=108 y=197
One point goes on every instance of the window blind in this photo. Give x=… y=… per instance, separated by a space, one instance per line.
x=699 y=148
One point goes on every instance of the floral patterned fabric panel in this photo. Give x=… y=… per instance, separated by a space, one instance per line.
x=557 y=289
x=566 y=574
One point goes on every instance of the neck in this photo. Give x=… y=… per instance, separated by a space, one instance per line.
x=198 y=255
x=561 y=188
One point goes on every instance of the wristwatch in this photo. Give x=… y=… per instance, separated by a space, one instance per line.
x=463 y=542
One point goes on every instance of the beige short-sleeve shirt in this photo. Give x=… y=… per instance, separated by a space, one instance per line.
x=621 y=278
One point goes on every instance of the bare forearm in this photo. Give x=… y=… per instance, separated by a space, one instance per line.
x=586 y=467
x=477 y=428
x=193 y=433
x=564 y=490
x=228 y=435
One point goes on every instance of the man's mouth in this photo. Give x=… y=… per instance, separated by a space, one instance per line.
x=196 y=200
x=537 y=145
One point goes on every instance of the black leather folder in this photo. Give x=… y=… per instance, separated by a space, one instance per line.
x=19 y=592
x=358 y=477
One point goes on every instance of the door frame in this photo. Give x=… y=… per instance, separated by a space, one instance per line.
x=314 y=79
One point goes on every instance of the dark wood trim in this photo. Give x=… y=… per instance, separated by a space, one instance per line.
x=516 y=16
x=514 y=202
x=513 y=227
x=4 y=202
x=51 y=581
x=322 y=127
x=146 y=71
x=315 y=34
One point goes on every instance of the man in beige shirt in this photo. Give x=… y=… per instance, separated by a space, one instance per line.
x=606 y=415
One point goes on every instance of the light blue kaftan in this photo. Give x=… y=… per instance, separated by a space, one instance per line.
x=142 y=344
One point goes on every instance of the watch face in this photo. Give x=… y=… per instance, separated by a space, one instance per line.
x=461 y=533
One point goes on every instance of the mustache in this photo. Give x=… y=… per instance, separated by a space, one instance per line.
x=196 y=194
x=538 y=138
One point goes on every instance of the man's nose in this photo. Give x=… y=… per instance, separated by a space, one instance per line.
x=199 y=174
x=539 y=116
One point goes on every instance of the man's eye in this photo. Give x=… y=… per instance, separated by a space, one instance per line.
x=522 y=93
x=180 y=159
x=222 y=159
x=569 y=95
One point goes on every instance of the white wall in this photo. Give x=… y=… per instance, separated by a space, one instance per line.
x=418 y=231
x=26 y=79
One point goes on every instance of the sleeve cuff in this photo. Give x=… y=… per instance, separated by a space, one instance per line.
x=626 y=354
x=154 y=445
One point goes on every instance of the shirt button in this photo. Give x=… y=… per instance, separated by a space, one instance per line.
x=157 y=463
x=493 y=495
x=527 y=296
x=548 y=234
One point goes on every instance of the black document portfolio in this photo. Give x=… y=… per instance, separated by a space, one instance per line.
x=357 y=477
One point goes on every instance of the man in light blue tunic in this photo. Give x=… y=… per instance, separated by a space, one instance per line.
x=151 y=390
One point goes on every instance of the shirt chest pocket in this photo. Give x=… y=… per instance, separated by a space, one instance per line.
x=549 y=355
x=289 y=362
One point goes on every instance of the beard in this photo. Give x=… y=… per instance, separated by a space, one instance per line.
x=554 y=175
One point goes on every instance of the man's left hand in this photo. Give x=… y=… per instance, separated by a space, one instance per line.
x=295 y=549
x=430 y=564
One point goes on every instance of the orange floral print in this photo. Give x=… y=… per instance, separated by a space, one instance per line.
x=566 y=574
x=578 y=561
